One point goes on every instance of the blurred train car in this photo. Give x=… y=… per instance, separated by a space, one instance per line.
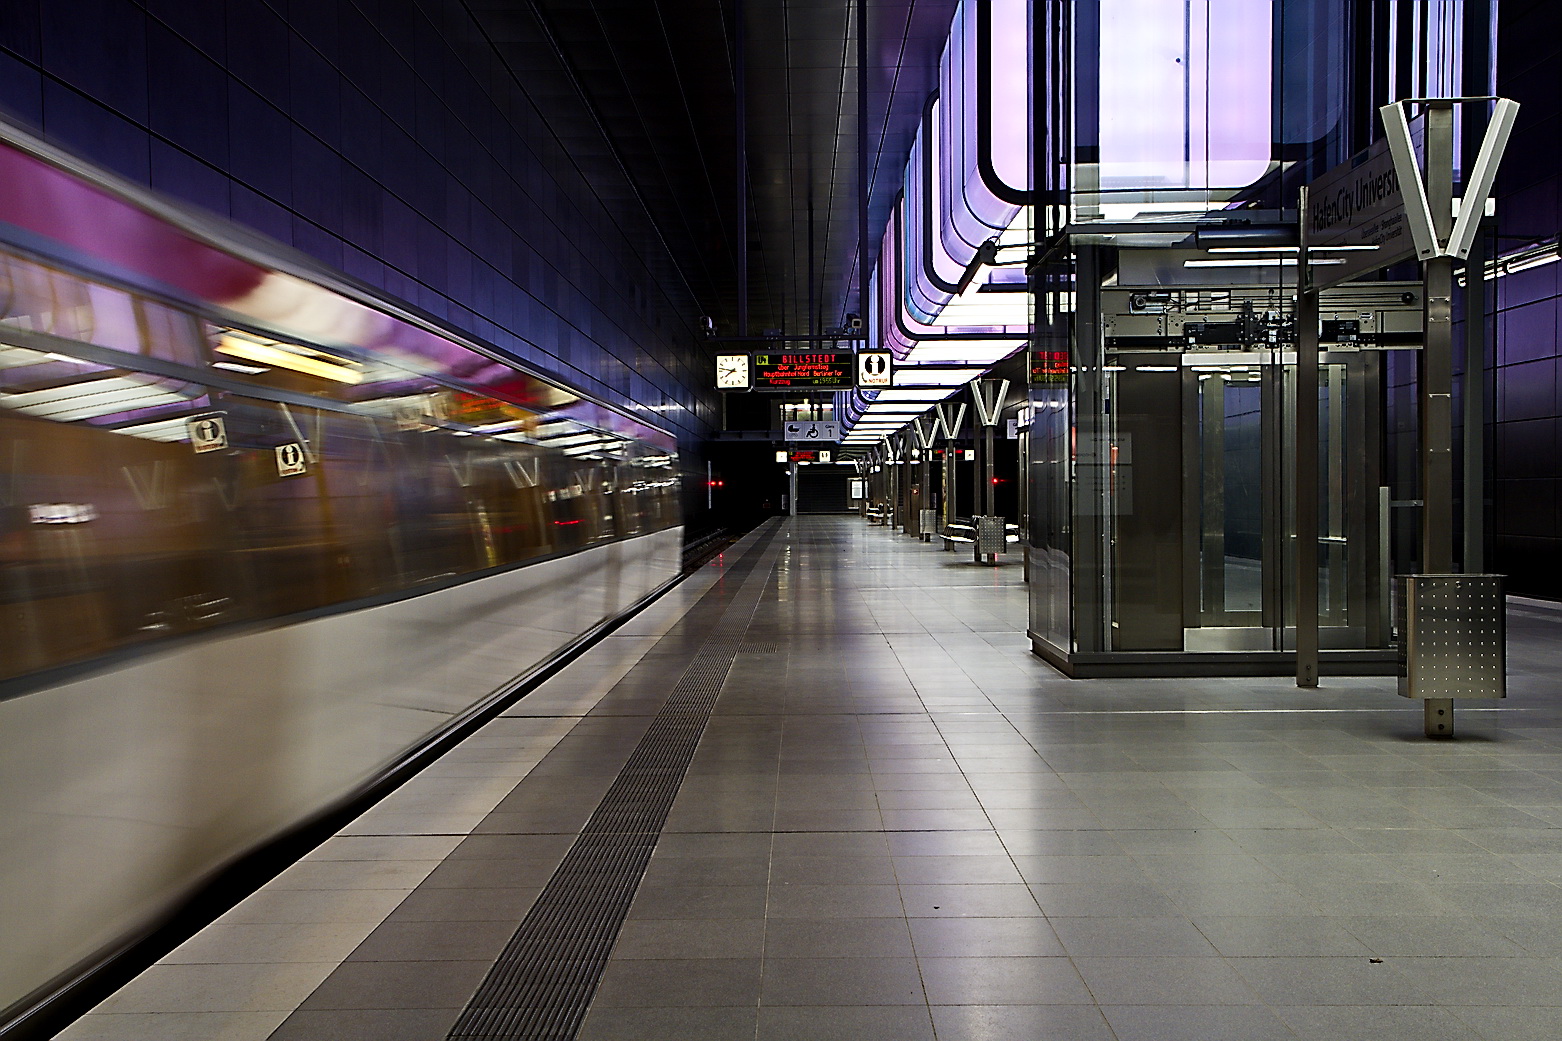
x=262 y=536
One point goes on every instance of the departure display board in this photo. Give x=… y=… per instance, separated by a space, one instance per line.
x=814 y=370
x=1048 y=367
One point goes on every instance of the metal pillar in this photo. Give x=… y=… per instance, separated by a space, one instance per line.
x=1437 y=470
x=1089 y=546
x=1475 y=406
x=950 y=418
x=925 y=431
x=1306 y=427
x=988 y=395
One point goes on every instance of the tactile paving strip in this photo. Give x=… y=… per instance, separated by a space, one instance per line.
x=543 y=982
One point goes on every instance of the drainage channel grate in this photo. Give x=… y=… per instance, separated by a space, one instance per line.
x=759 y=647
x=543 y=982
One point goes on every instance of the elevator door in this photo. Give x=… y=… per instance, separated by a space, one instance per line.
x=1202 y=525
x=1230 y=502
x=1239 y=505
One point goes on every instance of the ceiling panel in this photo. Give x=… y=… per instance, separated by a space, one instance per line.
x=642 y=93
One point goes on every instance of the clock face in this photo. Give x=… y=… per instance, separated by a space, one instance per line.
x=732 y=371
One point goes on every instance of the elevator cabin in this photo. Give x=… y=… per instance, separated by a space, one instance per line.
x=1184 y=488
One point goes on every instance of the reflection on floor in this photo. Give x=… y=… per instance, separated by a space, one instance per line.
x=899 y=824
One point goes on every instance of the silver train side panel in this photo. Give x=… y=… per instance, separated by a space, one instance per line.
x=121 y=791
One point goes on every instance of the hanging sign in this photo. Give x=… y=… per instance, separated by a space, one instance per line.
x=874 y=369
x=812 y=430
x=814 y=370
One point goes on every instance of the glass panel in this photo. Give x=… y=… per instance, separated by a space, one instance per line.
x=1230 y=475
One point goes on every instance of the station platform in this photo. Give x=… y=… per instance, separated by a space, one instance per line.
x=822 y=790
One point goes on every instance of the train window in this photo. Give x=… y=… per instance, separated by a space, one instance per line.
x=143 y=506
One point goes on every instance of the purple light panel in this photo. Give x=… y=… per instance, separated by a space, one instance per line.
x=1185 y=93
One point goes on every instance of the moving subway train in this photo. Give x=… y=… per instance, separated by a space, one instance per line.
x=261 y=536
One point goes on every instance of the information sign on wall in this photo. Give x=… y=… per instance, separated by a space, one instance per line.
x=207 y=433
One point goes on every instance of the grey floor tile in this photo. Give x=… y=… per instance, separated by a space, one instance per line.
x=1271 y=936
x=1131 y=937
x=969 y=901
x=367 y=1025
x=1012 y=1022
x=841 y=981
x=837 y=938
x=398 y=985
x=605 y=1023
x=827 y=870
x=1196 y=1023
x=465 y=905
x=667 y=902
x=403 y=940
x=1108 y=900
x=1333 y=981
x=841 y=1023
x=841 y=901
x=1511 y=1024
x=959 y=870
x=1073 y=868
x=1382 y=1023
x=1487 y=981
x=1164 y=981
x=831 y=844
x=1437 y=936
x=743 y=870
x=1002 y=981
x=679 y=983
x=984 y=938
x=691 y=938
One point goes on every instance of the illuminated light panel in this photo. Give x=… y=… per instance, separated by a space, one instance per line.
x=929 y=396
x=162 y=430
x=285 y=356
x=910 y=376
x=91 y=399
x=935 y=351
x=1285 y=249
x=1157 y=57
x=1261 y=262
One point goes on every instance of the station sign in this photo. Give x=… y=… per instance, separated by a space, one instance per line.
x=1358 y=204
x=811 y=370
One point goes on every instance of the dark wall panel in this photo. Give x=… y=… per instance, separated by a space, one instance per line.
x=387 y=139
x=1528 y=416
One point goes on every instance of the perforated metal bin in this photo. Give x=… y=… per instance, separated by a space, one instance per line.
x=990 y=533
x=1452 y=637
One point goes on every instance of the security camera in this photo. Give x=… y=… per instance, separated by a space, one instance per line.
x=708 y=324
